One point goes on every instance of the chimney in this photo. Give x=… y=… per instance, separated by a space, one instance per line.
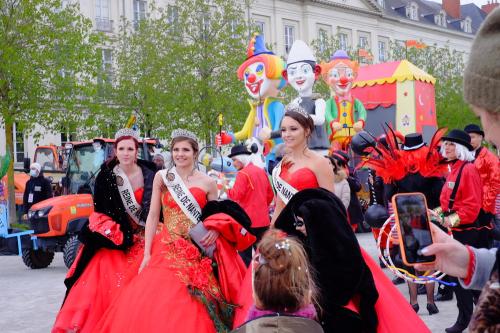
x=452 y=8
x=488 y=8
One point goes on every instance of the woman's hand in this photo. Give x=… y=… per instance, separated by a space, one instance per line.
x=209 y=238
x=452 y=257
x=145 y=262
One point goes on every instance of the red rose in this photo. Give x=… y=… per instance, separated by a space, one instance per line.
x=191 y=253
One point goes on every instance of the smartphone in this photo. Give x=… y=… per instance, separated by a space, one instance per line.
x=412 y=223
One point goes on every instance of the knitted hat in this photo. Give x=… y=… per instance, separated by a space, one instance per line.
x=482 y=74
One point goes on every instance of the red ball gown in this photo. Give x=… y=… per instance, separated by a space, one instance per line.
x=177 y=291
x=391 y=307
x=107 y=272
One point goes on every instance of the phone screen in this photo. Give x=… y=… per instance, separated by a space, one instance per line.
x=414 y=227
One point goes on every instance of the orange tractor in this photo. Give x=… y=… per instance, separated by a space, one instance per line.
x=57 y=221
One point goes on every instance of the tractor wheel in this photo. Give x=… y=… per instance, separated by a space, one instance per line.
x=71 y=250
x=37 y=258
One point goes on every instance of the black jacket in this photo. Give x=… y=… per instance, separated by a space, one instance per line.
x=107 y=200
x=335 y=256
x=41 y=189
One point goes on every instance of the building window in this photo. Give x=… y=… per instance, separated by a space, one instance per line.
x=18 y=138
x=322 y=39
x=139 y=12
x=107 y=64
x=363 y=42
x=289 y=37
x=343 y=41
x=382 y=51
x=172 y=14
x=260 y=27
x=440 y=19
x=466 y=25
x=102 y=21
x=234 y=27
x=381 y=3
x=412 y=11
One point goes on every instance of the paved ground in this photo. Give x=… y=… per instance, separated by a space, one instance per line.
x=30 y=299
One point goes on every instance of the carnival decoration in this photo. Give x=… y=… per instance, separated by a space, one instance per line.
x=397 y=93
x=345 y=115
x=262 y=75
x=301 y=73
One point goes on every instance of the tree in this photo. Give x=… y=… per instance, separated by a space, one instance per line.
x=48 y=66
x=447 y=66
x=213 y=38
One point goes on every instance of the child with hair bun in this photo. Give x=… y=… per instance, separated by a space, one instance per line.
x=283 y=289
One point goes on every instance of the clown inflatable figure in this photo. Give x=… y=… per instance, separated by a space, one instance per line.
x=301 y=73
x=262 y=75
x=345 y=115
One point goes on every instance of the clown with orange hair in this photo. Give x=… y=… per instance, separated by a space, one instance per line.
x=262 y=75
x=344 y=115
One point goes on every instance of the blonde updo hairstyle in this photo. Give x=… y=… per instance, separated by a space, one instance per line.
x=282 y=275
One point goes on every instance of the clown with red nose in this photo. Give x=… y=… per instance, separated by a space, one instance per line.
x=344 y=115
x=262 y=75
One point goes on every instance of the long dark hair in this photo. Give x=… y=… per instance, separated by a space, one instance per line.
x=305 y=122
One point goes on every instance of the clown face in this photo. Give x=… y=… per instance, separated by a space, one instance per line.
x=256 y=82
x=340 y=78
x=301 y=77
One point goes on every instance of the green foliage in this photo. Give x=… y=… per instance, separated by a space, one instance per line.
x=447 y=66
x=178 y=69
x=48 y=63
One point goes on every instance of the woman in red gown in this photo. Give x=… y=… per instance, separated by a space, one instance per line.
x=176 y=289
x=350 y=282
x=112 y=240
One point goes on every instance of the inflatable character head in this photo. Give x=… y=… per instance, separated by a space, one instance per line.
x=340 y=73
x=301 y=68
x=261 y=72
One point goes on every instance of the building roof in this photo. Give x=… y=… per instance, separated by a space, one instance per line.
x=428 y=9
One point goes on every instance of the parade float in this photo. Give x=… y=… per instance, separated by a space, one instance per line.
x=261 y=73
x=345 y=115
x=301 y=73
x=397 y=93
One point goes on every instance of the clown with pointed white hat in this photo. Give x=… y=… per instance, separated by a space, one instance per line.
x=301 y=73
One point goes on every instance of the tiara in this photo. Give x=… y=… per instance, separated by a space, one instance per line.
x=127 y=132
x=183 y=133
x=293 y=107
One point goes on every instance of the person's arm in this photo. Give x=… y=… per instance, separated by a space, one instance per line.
x=152 y=220
x=240 y=187
x=480 y=271
x=277 y=209
x=324 y=174
x=345 y=194
x=25 y=198
x=48 y=189
x=453 y=258
x=211 y=235
x=492 y=186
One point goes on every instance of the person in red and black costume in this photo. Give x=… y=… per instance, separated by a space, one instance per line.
x=414 y=168
x=488 y=166
x=459 y=210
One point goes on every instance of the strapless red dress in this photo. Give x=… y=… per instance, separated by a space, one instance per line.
x=177 y=291
x=391 y=306
x=106 y=273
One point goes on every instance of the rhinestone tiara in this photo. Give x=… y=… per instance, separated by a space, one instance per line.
x=293 y=107
x=127 y=132
x=183 y=133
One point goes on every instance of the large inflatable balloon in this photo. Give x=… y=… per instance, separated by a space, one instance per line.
x=301 y=73
x=345 y=115
x=262 y=76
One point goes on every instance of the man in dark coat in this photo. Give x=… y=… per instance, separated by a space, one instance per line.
x=38 y=188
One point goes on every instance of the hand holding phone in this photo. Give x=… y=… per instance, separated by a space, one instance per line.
x=412 y=222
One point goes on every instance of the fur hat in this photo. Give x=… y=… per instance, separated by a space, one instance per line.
x=482 y=74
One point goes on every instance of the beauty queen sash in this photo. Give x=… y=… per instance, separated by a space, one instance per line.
x=127 y=195
x=181 y=194
x=284 y=190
